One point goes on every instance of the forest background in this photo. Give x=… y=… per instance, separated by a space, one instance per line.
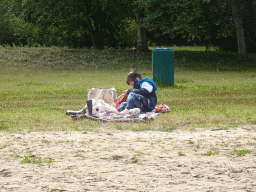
x=227 y=24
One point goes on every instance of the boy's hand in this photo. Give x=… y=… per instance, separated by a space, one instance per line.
x=125 y=92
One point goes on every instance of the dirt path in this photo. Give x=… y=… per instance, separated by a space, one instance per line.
x=115 y=160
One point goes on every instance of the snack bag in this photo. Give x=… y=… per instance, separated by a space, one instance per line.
x=120 y=100
x=162 y=108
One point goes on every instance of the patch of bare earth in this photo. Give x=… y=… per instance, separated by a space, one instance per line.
x=116 y=160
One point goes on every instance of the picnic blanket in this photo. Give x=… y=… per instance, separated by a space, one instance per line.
x=107 y=117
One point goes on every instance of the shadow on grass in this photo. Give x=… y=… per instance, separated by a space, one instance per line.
x=186 y=59
x=3 y=126
x=208 y=60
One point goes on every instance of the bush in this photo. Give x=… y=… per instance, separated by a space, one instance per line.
x=14 y=30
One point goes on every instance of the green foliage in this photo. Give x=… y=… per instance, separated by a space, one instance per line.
x=25 y=160
x=191 y=20
x=48 y=22
x=134 y=160
x=128 y=33
x=35 y=160
x=209 y=153
x=66 y=23
x=113 y=22
x=14 y=30
x=180 y=153
x=239 y=152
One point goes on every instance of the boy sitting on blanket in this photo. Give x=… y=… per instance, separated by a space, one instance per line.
x=143 y=94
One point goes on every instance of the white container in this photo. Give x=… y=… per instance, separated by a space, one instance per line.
x=135 y=111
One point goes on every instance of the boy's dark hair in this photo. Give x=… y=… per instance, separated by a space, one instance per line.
x=132 y=76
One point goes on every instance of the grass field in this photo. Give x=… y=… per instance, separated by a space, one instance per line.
x=212 y=89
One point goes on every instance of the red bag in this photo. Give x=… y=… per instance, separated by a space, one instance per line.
x=120 y=100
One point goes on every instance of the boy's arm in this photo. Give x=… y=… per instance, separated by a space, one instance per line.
x=136 y=84
x=143 y=92
x=145 y=89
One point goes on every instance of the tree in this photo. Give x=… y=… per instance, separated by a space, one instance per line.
x=78 y=23
x=199 y=18
x=191 y=19
x=249 y=24
x=13 y=29
x=96 y=30
x=245 y=19
x=141 y=32
x=238 y=20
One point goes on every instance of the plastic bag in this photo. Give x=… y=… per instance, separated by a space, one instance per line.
x=162 y=108
x=99 y=106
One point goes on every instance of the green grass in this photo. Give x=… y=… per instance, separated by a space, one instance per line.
x=209 y=153
x=34 y=160
x=212 y=89
x=239 y=152
x=138 y=153
x=134 y=160
x=180 y=153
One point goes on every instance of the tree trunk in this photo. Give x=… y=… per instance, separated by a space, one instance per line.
x=141 y=32
x=97 y=36
x=99 y=20
x=238 y=21
x=89 y=24
x=249 y=22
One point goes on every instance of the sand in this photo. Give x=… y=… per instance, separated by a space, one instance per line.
x=116 y=160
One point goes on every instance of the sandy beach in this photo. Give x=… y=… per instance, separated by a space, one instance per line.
x=121 y=160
